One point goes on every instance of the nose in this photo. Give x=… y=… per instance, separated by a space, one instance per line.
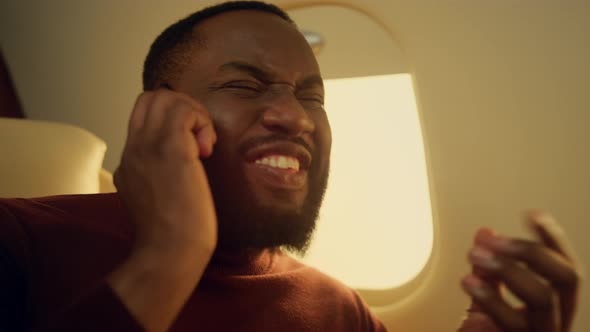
x=285 y=115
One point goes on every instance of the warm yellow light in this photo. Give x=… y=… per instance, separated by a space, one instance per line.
x=375 y=227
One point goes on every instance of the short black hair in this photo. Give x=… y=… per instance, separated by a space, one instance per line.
x=171 y=49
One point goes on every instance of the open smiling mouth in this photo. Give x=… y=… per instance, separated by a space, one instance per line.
x=281 y=162
x=280 y=171
x=279 y=165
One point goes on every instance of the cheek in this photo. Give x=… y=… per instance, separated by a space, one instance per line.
x=231 y=120
x=323 y=134
x=323 y=141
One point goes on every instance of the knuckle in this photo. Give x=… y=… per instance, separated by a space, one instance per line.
x=146 y=95
x=159 y=97
x=145 y=99
x=161 y=92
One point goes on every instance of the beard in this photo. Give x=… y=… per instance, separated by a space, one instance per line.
x=245 y=222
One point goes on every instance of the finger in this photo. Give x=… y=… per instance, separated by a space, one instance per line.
x=483 y=233
x=161 y=104
x=204 y=132
x=137 y=117
x=544 y=261
x=482 y=273
x=194 y=122
x=491 y=302
x=539 y=296
x=489 y=279
x=551 y=233
x=202 y=126
x=172 y=140
x=167 y=117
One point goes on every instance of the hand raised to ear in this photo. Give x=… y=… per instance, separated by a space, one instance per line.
x=543 y=274
x=163 y=185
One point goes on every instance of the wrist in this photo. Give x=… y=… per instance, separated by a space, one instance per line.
x=154 y=284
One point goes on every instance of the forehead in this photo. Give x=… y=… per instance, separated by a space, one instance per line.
x=259 y=38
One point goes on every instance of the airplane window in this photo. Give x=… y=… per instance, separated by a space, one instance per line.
x=375 y=227
x=375 y=230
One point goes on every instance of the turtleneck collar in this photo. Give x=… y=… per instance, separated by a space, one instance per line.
x=246 y=262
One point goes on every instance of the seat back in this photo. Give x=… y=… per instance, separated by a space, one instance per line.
x=40 y=158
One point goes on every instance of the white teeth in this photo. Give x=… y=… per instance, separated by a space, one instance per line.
x=284 y=162
x=293 y=163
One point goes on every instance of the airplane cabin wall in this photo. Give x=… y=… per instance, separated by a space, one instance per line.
x=502 y=89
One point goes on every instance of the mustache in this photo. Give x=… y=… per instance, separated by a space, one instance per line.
x=257 y=141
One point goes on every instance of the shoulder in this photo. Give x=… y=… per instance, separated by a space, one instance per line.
x=90 y=210
x=63 y=245
x=61 y=225
x=63 y=205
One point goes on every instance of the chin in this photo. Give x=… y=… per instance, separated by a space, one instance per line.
x=287 y=200
x=256 y=215
x=261 y=224
x=284 y=203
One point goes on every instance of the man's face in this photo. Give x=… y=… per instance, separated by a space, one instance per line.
x=259 y=80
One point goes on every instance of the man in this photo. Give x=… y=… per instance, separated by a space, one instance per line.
x=224 y=168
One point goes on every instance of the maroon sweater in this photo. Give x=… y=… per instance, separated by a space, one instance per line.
x=58 y=250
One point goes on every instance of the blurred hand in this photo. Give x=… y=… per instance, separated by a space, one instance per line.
x=543 y=275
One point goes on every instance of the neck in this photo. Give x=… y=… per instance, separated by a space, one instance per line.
x=242 y=262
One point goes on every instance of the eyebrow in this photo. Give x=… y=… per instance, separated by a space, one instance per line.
x=264 y=76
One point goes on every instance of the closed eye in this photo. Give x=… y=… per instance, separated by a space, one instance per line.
x=317 y=99
x=244 y=85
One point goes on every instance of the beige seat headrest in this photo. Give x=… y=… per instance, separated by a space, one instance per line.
x=39 y=158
